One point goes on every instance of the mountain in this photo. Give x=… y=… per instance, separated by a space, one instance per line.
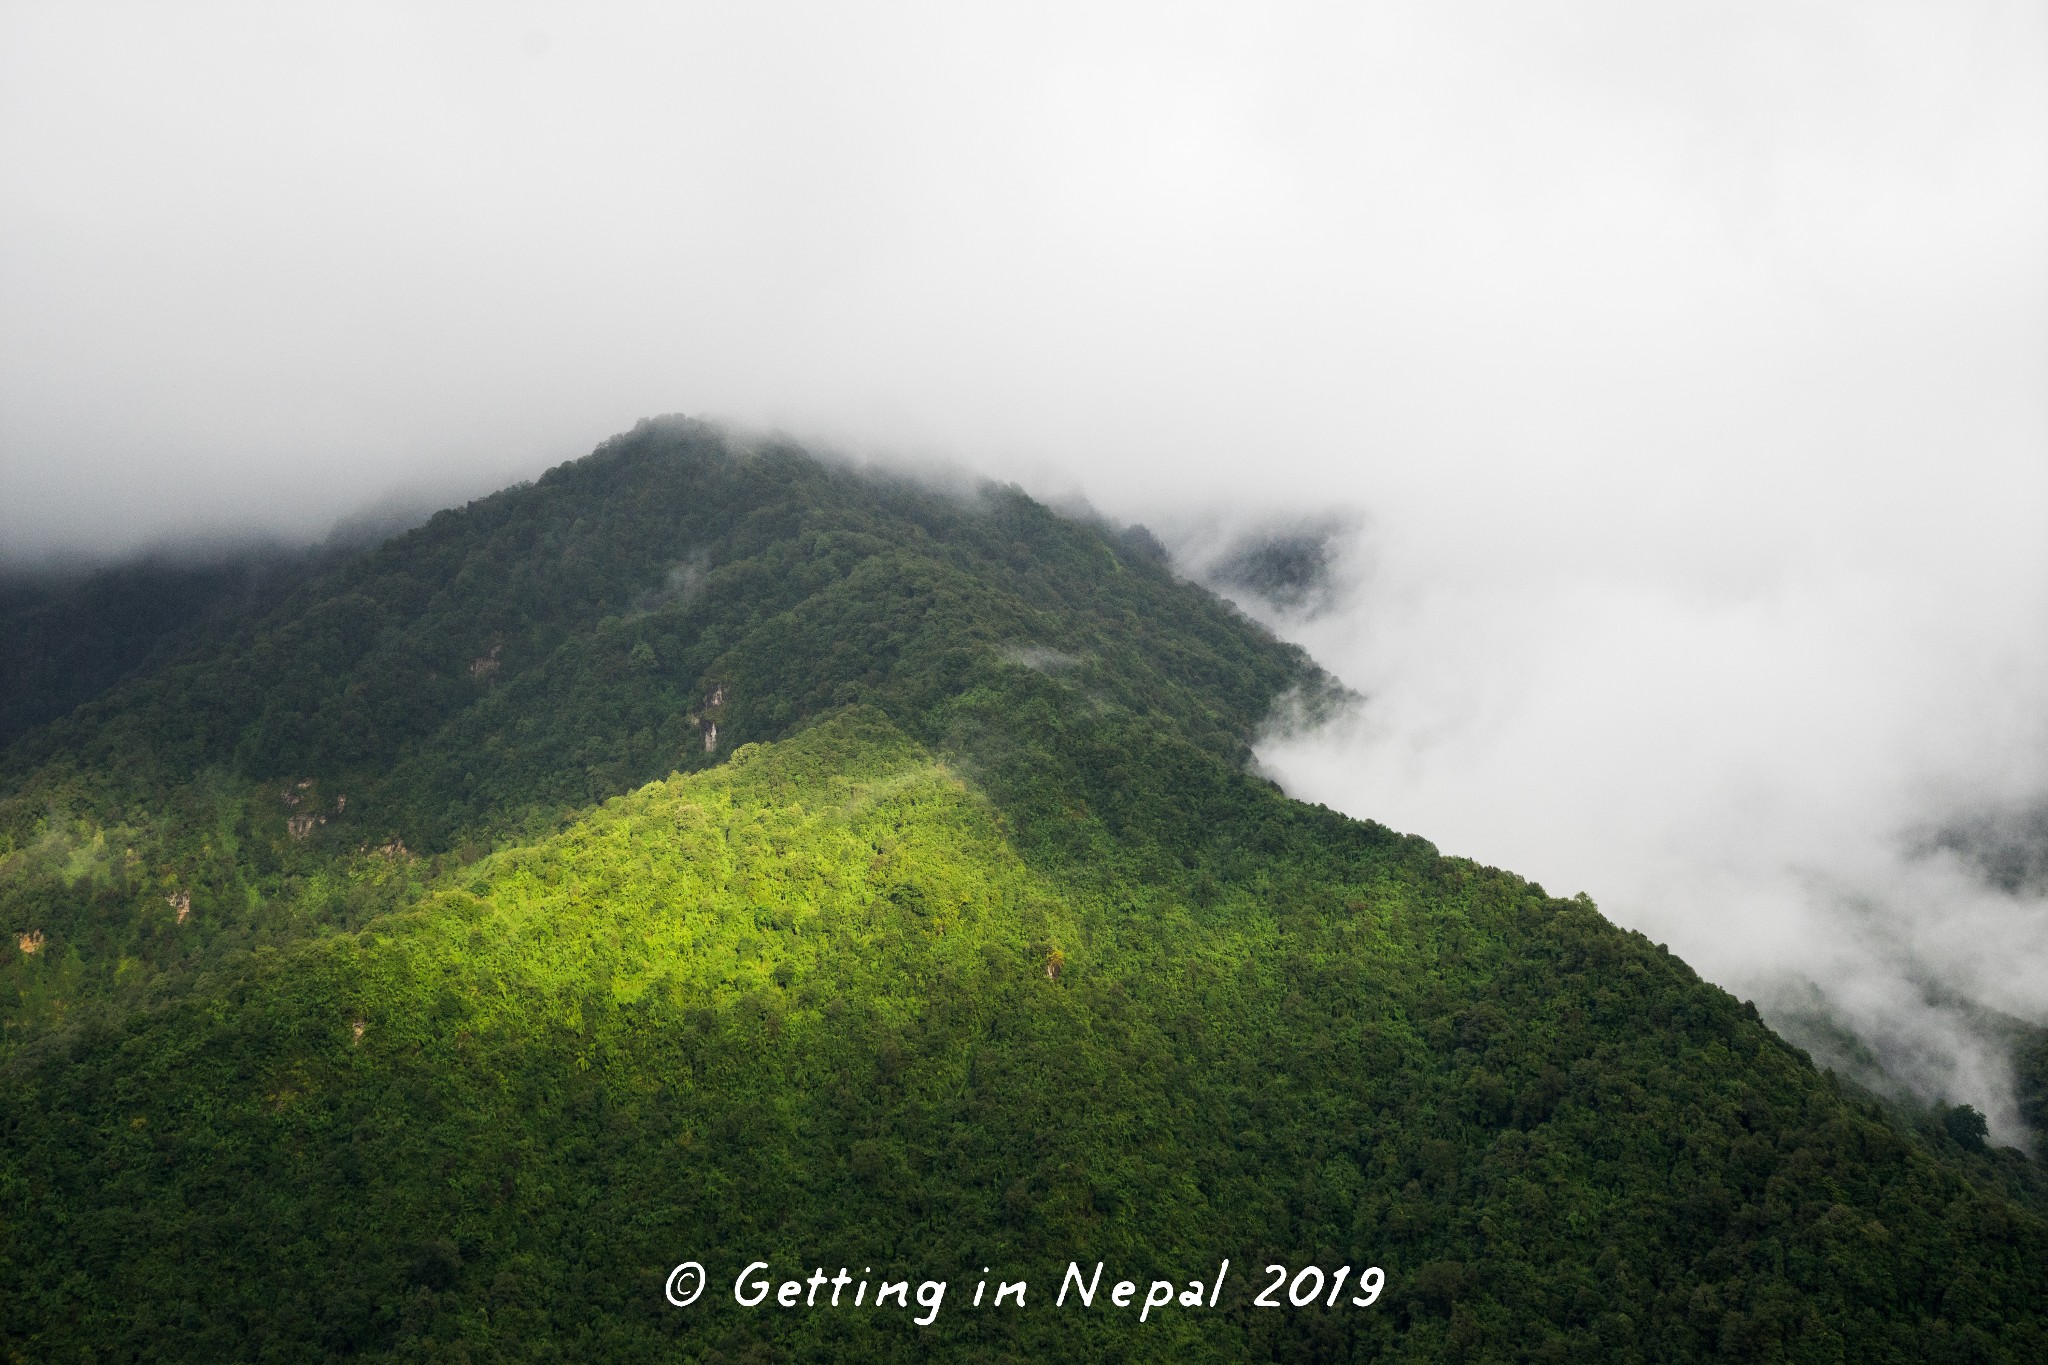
x=68 y=635
x=709 y=853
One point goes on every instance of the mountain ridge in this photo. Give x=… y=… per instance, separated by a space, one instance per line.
x=968 y=937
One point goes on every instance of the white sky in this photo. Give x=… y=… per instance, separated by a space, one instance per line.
x=1688 y=363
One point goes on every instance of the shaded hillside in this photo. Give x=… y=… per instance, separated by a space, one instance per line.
x=967 y=940
x=67 y=635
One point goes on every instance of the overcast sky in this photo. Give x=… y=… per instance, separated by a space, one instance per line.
x=1682 y=365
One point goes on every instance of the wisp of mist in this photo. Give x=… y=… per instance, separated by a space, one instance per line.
x=1800 y=780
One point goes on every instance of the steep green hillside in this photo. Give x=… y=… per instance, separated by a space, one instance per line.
x=487 y=675
x=66 y=636
x=968 y=942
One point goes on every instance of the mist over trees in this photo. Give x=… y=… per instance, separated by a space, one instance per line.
x=710 y=852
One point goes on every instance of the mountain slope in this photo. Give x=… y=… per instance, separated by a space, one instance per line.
x=993 y=955
x=483 y=677
x=65 y=636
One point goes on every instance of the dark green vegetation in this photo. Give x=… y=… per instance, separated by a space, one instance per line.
x=65 y=637
x=966 y=940
x=2031 y=1064
x=1289 y=568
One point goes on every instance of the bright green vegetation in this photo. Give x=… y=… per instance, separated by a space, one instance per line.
x=488 y=675
x=970 y=942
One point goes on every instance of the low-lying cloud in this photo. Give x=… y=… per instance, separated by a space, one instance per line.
x=1815 y=787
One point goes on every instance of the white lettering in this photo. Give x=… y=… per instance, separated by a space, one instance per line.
x=741 y=1283
x=1073 y=1281
x=685 y=1283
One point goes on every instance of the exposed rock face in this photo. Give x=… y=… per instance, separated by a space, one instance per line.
x=180 y=901
x=30 y=942
x=708 y=722
x=482 y=667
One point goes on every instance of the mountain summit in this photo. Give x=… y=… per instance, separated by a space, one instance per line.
x=708 y=854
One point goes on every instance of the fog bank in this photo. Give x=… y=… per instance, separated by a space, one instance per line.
x=1764 y=775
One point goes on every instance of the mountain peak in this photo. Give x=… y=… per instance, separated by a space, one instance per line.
x=709 y=854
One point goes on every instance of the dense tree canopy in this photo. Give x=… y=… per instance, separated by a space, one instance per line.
x=712 y=853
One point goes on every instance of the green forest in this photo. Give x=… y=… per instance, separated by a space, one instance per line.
x=710 y=852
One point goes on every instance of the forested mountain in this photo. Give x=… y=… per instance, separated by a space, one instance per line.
x=66 y=635
x=710 y=853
